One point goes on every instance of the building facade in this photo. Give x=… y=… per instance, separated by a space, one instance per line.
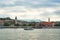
x=48 y=24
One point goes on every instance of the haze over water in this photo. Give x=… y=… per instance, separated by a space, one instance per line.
x=36 y=34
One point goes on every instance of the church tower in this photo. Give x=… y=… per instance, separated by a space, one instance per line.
x=16 y=20
x=48 y=19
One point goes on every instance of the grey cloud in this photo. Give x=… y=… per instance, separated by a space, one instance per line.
x=4 y=15
x=42 y=3
x=55 y=1
x=57 y=12
x=15 y=10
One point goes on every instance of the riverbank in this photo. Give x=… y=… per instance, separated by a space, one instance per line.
x=2 y=27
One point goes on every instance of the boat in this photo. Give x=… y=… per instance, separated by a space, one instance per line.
x=28 y=28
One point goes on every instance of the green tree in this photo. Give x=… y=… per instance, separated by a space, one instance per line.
x=6 y=24
x=16 y=25
x=24 y=25
x=30 y=25
x=57 y=24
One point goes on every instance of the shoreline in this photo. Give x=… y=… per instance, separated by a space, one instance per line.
x=15 y=27
x=33 y=28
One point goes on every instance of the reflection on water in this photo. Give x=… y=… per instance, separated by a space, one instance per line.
x=36 y=34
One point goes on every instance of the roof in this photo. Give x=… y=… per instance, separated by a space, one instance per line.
x=1 y=21
x=46 y=23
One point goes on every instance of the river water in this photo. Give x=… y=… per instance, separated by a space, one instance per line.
x=36 y=34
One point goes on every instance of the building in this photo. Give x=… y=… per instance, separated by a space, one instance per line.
x=6 y=20
x=16 y=20
x=48 y=24
x=1 y=22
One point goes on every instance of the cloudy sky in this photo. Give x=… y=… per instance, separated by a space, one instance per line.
x=31 y=9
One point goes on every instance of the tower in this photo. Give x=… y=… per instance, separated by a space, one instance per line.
x=16 y=20
x=48 y=19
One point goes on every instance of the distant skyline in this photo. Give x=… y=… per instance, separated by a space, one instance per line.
x=31 y=9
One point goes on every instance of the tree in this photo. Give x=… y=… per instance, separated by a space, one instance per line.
x=6 y=24
x=30 y=25
x=57 y=24
x=24 y=25
x=16 y=25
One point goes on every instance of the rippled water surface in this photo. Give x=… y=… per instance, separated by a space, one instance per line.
x=36 y=34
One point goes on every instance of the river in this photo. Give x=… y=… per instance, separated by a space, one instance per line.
x=36 y=34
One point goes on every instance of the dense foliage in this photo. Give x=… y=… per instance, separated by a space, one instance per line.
x=16 y=25
x=57 y=24
x=6 y=24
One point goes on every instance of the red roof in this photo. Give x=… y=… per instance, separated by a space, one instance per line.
x=46 y=23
